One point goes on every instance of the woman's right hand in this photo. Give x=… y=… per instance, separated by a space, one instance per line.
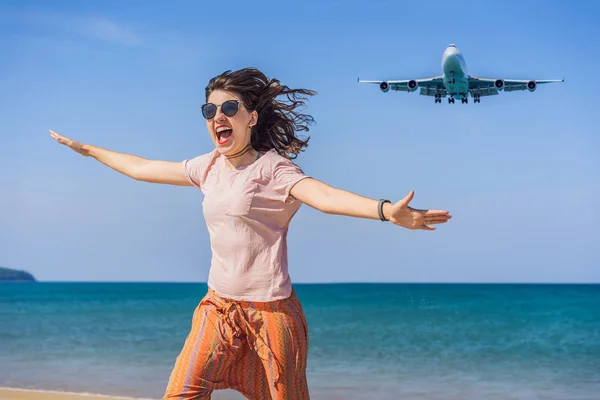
x=73 y=144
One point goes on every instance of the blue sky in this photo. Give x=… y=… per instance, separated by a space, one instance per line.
x=519 y=172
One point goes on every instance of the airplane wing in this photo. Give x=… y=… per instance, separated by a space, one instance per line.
x=429 y=86
x=492 y=86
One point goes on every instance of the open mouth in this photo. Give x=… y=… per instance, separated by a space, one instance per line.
x=223 y=134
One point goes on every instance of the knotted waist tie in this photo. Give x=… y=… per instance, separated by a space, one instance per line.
x=231 y=314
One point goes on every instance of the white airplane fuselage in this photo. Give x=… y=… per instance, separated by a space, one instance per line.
x=454 y=69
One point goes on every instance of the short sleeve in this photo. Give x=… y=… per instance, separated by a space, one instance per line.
x=195 y=168
x=285 y=175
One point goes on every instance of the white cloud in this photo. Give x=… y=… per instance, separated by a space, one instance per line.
x=88 y=26
x=105 y=29
x=66 y=30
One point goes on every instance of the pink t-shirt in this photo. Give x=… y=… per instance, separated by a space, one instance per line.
x=247 y=213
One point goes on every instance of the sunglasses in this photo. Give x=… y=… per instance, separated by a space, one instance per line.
x=229 y=108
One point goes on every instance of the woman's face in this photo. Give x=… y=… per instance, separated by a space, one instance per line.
x=228 y=121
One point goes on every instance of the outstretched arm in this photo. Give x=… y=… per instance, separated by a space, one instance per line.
x=330 y=200
x=138 y=168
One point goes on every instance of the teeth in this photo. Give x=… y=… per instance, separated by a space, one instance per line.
x=223 y=128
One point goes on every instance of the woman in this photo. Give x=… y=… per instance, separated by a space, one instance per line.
x=249 y=332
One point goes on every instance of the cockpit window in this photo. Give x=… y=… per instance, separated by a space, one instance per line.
x=452 y=45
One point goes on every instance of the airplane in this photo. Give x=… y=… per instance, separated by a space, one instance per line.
x=457 y=83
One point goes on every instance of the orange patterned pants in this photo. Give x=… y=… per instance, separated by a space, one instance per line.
x=258 y=349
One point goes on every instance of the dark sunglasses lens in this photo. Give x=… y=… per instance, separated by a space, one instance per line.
x=209 y=110
x=229 y=108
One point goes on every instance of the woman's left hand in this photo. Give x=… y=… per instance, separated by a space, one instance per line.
x=411 y=218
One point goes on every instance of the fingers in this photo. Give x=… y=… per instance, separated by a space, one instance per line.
x=56 y=136
x=429 y=212
x=60 y=138
x=431 y=217
x=427 y=225
x=429 y=221
x=435 y=212
x=436 y=217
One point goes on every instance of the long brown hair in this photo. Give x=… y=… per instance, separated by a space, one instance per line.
x=278 y=121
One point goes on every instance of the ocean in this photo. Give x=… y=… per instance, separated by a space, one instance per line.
x=367 y=341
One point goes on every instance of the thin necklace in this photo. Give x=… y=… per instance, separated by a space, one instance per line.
x=241 y=153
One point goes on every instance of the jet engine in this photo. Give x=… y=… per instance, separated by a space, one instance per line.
x=412 y=85
x=384 y=86
x=531 y=86
x=499 y=84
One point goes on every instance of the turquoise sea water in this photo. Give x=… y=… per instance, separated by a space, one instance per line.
x=367 y=341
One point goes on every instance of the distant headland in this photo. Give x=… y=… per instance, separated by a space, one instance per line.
x=8 y=274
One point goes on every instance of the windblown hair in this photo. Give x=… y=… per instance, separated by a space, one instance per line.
x=278 y=121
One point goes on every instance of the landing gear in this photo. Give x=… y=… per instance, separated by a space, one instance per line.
x=465 y=100
x=438 y=98
x=452 y=75
x=476 y=98
x=451 y=100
